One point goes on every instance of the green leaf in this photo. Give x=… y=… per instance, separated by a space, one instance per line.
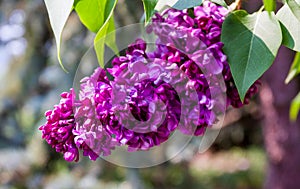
x=102 y=38
x=294 y=7
x=288 y=15
x=110 y=39
x=177 y=4
x=149 y=8
x=184 y=4
x=251 y=43
x=295 y=107
x=90 y=13
x=58 y=12
x=295 y=68
x=270 y=5
x=220 y=2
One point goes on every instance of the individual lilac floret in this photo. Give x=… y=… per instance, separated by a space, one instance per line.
x=183 y=29
x=89 y=130
x=59 y=126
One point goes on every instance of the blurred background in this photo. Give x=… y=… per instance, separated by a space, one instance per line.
x=257 y=148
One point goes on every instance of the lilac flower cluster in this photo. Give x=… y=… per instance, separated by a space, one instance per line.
x=140 y=89
x=58 y=130
x=89 y=130
x=195 y=29
x=194 y=124
x=152 y=93
x=71 y=127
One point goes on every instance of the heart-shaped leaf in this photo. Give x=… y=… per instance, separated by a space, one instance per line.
x=289 y=17
x=251 y=43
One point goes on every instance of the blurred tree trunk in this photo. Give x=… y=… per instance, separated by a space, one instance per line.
x=282 y=138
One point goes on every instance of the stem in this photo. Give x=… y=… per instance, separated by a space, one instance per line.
x=261 y=8
x=239 y=4
x=235 y=5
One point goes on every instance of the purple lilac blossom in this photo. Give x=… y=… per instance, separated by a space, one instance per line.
x=198 y=81
x=138 y=89
x=89 y=130
x=142 y=106
x=59 y=126
x=183 y=29
x=141 y=78
x=62 y=130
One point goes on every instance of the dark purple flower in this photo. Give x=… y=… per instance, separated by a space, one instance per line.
x=191 y=34
x=89 y=130
x=140 y=109
x=59 y=126
x=66 y=134
x=195 y=122
x=152 y=93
